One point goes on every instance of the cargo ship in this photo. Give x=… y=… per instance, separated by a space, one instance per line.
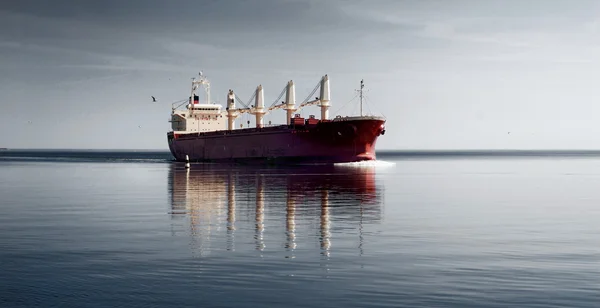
x=203 y=132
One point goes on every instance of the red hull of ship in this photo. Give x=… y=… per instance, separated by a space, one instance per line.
x=324 y=142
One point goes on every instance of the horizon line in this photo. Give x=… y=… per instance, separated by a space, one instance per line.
x=377 y=151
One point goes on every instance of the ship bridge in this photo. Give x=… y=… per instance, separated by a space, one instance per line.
x=207 y=108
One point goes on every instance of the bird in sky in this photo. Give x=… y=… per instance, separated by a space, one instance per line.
x=153 y=99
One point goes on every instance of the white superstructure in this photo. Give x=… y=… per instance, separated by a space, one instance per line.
x=198 y=117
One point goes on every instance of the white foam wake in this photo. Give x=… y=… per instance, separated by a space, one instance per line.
x=367 y=163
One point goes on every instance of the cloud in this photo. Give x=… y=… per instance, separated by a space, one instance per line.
x=152 y=35
x=442 y=29
x=532 y=24
x=195 y=18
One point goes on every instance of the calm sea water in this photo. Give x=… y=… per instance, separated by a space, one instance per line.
x=133 y=229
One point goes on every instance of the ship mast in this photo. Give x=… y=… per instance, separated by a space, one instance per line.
x=195 y=84
x=362 y=85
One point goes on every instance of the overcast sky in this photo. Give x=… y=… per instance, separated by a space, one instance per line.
x=446 y=74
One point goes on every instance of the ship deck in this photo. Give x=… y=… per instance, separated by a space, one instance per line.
x=240 y=131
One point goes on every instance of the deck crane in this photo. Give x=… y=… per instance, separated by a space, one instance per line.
x=289 y=104
x=322 y=100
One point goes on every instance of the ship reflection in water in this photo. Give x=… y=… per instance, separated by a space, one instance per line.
x=275 y=210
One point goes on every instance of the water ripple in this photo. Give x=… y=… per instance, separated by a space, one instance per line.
x=397 y=233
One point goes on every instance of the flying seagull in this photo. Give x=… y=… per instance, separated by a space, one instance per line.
x=153 y=99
